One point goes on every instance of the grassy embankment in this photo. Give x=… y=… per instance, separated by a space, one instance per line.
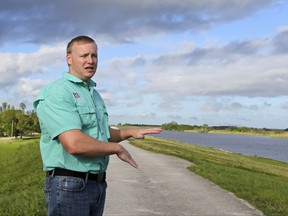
x=262 y=182
x=21 y=178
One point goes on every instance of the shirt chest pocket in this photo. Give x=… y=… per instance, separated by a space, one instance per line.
x=88 y=116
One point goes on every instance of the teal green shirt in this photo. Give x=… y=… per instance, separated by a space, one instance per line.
x=66 y=104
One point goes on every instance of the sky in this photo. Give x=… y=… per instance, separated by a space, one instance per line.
x=214 y=62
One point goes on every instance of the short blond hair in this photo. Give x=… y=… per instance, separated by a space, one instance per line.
x=78 y=39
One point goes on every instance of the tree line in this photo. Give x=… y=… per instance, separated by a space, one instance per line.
x=17 y=122
x=205 y=128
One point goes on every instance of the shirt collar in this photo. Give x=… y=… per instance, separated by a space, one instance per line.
x=75 y=79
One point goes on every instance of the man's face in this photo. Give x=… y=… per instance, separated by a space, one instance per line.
x=83 y=60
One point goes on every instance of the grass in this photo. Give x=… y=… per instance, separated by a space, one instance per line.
x=21 y=178
x=262 y=182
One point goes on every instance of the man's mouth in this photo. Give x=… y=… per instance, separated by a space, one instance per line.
x=90 y=68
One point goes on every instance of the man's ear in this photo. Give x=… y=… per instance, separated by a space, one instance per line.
x=68 y=58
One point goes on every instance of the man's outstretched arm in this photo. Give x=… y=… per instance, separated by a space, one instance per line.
x=118 y=135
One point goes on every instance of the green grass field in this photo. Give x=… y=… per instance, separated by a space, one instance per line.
x=262 y=182
x=21 y=178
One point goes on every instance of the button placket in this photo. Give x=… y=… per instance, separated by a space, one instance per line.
x=91 y=90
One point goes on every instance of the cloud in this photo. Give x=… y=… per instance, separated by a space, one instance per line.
x=222 y=104
x=154 y=57
x=25 y=91
x=123 y=20
x=247 y=68
x=150 y=115
x=29 y=88
x=16 y=66
x=212 y=107
x=237 y=68
x=216 y=54
x=284 y=105
x=280 y=42
x=240 y=68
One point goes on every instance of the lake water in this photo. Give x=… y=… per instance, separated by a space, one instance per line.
x=260 y=146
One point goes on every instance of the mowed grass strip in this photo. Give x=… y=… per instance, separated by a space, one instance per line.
x=262 y=182
x=21 y=178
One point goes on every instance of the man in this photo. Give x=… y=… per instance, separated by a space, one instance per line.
x=76 y=140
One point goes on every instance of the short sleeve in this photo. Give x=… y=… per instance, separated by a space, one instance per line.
x=57 y=114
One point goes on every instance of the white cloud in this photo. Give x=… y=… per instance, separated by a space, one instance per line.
x=16 y=66
x=229 y=72
x=29 y=87
x=285 y=105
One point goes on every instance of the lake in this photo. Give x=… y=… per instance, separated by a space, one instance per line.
x=260 y=146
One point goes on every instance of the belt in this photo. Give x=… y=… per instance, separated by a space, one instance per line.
x=86 y=176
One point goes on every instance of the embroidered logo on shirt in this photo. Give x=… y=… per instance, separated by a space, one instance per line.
x=76 y=95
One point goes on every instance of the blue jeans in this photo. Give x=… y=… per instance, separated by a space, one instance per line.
x=71 y=196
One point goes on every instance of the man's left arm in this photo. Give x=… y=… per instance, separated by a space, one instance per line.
x=118 y=135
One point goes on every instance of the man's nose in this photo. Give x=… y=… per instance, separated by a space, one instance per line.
x=91 y=59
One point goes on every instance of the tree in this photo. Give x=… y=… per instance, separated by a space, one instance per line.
x=172 y=126
x=22 y=107
x=24 y=124
x=9 y=122
x=205 y=128
x=16 y=122
x=34 y=127
x=4 y=106
x=1 y=125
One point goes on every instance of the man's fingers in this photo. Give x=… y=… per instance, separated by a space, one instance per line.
x=133 y=163
x=141 y=133
x=154 y=130
x=125 y=156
